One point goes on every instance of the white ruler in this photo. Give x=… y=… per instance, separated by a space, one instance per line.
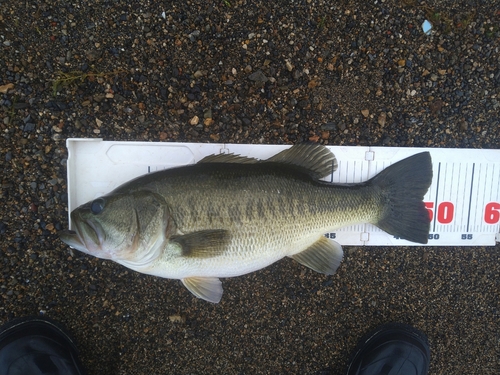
x=463 y=200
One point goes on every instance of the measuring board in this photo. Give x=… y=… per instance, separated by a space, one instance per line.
x=463 y=201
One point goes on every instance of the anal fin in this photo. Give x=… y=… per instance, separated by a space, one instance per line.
x=207 y=288
x=323 y=256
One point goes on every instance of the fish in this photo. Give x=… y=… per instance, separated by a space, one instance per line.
x=229 y=215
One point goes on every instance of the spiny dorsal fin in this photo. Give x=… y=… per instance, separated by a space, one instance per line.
x=323 y=256
x=203 y=244
x=316 y=159
x=228 y=158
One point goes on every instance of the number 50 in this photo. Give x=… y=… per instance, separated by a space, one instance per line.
x=445 y=212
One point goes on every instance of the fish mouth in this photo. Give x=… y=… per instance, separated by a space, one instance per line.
x=71 y=238
x=87 y=237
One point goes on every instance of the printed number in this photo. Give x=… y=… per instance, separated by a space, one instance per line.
x=445 y=212
x=331 y=235
x=466 y=236
x=430 y=206
x=492 y=213
x=433 y=236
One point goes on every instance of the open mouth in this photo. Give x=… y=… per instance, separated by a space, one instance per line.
x=71 y=238
x=87 y=237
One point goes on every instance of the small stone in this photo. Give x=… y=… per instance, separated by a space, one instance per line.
x=5 y=88
x=402 y=62
x=194 y=35
x=29 y=127
x=463 y=126
x=382 y=118
x=98 y=122
x=195 y=120
x=289 y=66
x=208 y=121
x=329 y=126
x=163 y=136
x=198 y=74
x=313 y=83
x=207 y=113
x=258 y=76
x=177 y=318
x=314 y=138
x=365 y=112
x=215 y=137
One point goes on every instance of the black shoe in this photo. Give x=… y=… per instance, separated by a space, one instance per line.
x=391 y=349
x=37 y=346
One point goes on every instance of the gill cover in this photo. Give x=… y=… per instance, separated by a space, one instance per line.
x=122 y=227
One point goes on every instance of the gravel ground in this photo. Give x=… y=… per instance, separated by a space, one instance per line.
x=278 y=72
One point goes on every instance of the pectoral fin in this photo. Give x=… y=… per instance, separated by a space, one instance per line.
x=323 y=256
x=203 y=244
x=207 y=288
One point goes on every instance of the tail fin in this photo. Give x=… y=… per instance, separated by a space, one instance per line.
x=402 y=187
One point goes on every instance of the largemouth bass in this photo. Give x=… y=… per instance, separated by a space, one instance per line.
x=230 y=215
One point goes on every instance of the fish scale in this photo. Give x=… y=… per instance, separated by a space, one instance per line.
x=277 y=214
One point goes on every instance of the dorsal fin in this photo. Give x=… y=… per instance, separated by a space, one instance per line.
x=228 y=158
x=316 y=159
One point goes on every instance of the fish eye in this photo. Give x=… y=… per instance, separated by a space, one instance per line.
x=97 y=206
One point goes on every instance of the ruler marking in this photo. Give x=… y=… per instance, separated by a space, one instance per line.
x=451 y=194
x=484 y=194
x=470 y=196
x=444 y=227
x=458 y=196
x=464 y=196
x=461 y=204
x=346 y=172
x=436 y=199
x=478 y=184
x=339 y=170
x=495 y=182
x=497 y=198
